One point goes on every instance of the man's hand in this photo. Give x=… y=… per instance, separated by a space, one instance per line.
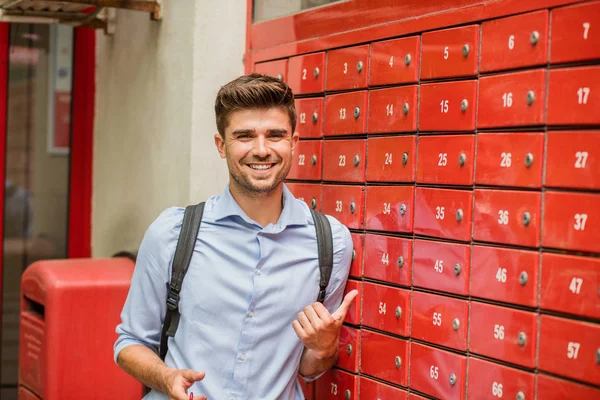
x=319 y=330
x=178 y=381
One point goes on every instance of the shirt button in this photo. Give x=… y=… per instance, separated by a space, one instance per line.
x=251 y=314
x=243 y=357
x=259 y=272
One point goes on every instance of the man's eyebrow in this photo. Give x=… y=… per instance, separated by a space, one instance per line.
x=250 y=131
x=242 y=131
x=277 y=130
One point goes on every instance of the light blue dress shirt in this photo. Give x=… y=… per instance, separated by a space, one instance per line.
x=244 y=287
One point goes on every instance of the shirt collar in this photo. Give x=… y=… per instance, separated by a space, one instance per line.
x=292 y=213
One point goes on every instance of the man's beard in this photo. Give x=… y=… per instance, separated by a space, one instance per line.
x=249 y=185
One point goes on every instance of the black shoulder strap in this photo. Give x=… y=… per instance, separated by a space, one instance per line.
x=181 y=262
x=325 y=246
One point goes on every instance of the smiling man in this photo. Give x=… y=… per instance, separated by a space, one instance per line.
x=249 y=321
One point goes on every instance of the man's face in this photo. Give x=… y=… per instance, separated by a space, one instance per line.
x=258 y=146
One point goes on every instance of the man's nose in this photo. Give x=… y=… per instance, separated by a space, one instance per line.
x=261 y=147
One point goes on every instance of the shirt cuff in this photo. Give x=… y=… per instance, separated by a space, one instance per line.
x=126 y=343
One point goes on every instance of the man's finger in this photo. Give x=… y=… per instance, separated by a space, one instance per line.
x=299 y=330
x=306 y=325
x=340 y=313
x=179 y=394
x=312 y=316
x=322 y=312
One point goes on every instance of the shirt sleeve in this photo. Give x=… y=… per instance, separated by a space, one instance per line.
x=342 y=258
x=145 y=307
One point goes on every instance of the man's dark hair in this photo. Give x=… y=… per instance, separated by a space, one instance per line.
x=251 y=92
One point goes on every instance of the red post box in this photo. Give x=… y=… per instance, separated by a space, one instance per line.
x=69 y=312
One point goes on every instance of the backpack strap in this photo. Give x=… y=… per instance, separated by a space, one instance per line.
x=325 y=248
x=192 y=219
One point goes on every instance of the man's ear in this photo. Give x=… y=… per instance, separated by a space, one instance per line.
x=295 y=138
x=220 y=143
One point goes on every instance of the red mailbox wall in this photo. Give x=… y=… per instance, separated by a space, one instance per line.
x=462 y=149
x=69 y=309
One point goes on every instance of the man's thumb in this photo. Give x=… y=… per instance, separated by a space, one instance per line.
x=340 y=313
x=192 y=375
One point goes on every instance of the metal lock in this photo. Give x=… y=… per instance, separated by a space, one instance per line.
x=457 y=269
x=280 y=77
x=462 y=159
x=523 y=278
x=407 y=59
x=520 y=396
x=398 y=312
x=359 y=66
x=598 y=356
x=526 y=219
x=405 y=158
x=316 y=72
x=459 y=215
x=405 y=108
x=314 y=160
x=313 y=203
x=353 y=254
x=530 y=97
x=452 y=379
x=400 y=261
x=464 y=105
x=357 y=112
x=522 y=339
x=402 y=209
x=352 y=207
x=398 y=362
x=349 y=349
x=534 y=38
x=356 y=160
x=465 y=50
x=347 y=394
x=315 y=118
x=528 y=160
x=455 y=324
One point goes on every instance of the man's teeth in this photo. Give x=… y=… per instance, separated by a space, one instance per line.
x=261 y=167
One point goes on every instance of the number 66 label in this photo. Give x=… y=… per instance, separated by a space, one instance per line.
x=489 y=380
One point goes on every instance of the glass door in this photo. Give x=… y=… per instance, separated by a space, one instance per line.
x=37 y=162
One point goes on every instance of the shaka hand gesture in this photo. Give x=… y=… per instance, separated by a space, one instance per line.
x=319 y=330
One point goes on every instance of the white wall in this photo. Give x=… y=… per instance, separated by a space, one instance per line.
x=154 y=121
x=220 y=40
